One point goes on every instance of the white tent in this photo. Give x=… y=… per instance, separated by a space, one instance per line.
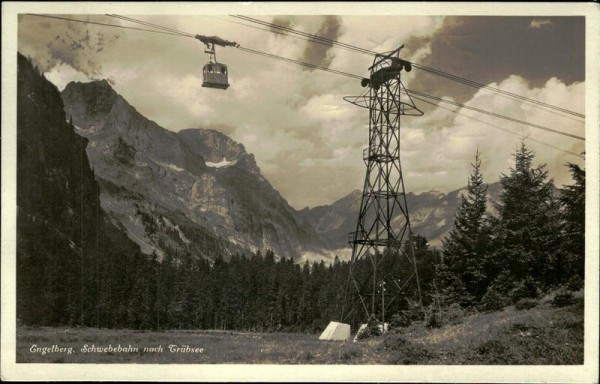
x=336 y=331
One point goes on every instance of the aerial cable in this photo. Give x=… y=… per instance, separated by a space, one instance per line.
x=475 y=84
x=261 y=29
x=150 y=25
x=209 y=41
x=103 y=24
x=471 y=83
x=495 y=126
x=304 y=64
x=307 y=36
x=412 y=92
x=315 y=38
x=314 y=66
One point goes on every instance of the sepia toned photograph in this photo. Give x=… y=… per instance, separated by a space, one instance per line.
x=342 y=192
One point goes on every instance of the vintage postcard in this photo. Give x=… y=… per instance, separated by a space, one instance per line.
x=300 y=192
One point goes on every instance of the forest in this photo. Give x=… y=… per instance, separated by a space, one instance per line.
x=532 y=244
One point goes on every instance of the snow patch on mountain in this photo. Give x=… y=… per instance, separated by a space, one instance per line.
x=224 y=163
x=170 y=166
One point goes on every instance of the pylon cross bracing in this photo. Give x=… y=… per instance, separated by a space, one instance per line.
x=383 y=233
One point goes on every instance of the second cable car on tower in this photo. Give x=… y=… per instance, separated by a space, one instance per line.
x=214 y=74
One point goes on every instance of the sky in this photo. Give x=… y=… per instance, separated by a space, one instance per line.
x=306 y=139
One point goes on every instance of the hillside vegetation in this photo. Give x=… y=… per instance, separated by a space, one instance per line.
x=542 y=335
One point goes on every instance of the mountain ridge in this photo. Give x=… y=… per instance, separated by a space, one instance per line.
x=200 y=176
x=431 y=214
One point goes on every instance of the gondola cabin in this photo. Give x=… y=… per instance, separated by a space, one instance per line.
x=215 y=76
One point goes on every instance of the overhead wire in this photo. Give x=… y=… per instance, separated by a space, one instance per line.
x=146 y=23
x=471 y=83
x=265 y=54
x=413 y=92
x=474 y=84
x=302 y=63
x=172 y=31
x=495 y=126
x=258 y=28
x=308 y=36
x=102 y=24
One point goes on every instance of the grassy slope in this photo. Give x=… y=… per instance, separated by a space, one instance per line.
x=541 y=335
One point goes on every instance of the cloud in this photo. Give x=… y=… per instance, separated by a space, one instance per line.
x=306 y=139
x=62 y=74
x=488 y=48
x=441 y=145
x=53 y=42
x=282 y=21
x=536 y=23
x=319 y=51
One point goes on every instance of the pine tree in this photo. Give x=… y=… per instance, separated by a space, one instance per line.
x=465 y=249
x=526 y=230
x=572 y=263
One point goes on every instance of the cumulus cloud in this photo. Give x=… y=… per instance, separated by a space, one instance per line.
x=319 y=51
x=53 y=42
x=489 y=48
x=282 y=21
x=307 y=140
x=441 y=154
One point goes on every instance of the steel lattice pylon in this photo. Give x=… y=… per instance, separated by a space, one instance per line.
x=383 y=232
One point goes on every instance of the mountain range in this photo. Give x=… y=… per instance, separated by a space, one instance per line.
x=197 y=191
x=180 y=191
x=431 y=215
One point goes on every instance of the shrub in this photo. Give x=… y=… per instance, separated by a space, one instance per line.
x=494 y=300
x=406 y=317
x=349 y=355
x=497 y=295
x=526 y=304
x=437 y=317
x=454 y=314
x=307 y=356
x=562 y=299
x=400 y=320
x=433 y=317
x=524 y=289
x=494 y=350
x=373 y=326
x=402 y=351
x=575 y=283
x=371 y=330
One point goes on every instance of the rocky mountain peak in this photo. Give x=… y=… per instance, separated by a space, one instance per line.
x=98 y=97
x=213 y=145
x=174 y=192
x=218 y=149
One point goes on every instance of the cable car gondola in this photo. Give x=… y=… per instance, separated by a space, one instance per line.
x=214 y=74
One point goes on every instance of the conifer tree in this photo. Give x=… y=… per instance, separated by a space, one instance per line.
x=526 y=231
x=572 y=263
x=465 y=249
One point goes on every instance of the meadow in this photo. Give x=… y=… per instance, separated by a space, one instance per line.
x=540 y=335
